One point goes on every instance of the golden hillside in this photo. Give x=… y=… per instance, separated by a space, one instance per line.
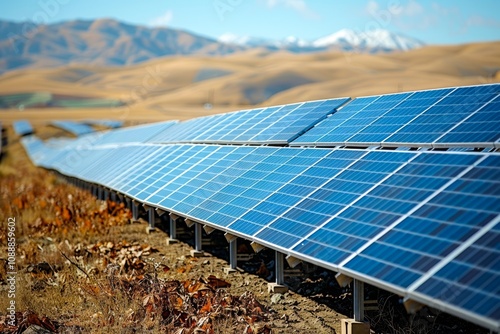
x=178 y=87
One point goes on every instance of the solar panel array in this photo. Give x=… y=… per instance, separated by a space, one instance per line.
x=422 y=224
x=75 y=128
x=463 y=116
x=271 y=125
x=22 y=128
x=105 y=122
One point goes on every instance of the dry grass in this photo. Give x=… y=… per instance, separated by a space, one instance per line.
x=68 y=272
x=168 y=88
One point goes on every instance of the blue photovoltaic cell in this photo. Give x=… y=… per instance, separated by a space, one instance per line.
x=162 y=175
x=165 y=160
x=471 y=281
x=450 y=116
x=23 y=127
x=121 y=163
x=133 y=134
x=216 y=174
x=75 y=128
x=452 y=109
x=362 y=217
x=436 y=228
x=480 y=127
x=279 y=124
x=105 y=122
x=289 y=206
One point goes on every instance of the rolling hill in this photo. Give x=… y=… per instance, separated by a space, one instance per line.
x=178 y=87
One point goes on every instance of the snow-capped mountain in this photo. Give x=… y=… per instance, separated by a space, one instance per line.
x=379 y=40
x=249 y=41
x=246 y=41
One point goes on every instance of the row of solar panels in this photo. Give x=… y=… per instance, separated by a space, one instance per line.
x=462 y=117
x=23 y=127
x=421 y=224
x=451 y=117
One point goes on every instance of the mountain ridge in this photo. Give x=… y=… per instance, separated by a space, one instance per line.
x=108 y=42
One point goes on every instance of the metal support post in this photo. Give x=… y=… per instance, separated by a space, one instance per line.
x=233 y=253
x=135 y=211
x=151 y=216
x=280 y=278
x=359 y=298
x=197 y=251
x=197 y=237
x=278 y=286
x=173 y=228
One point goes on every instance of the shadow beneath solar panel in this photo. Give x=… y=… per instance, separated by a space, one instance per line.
x=385 y=311
x=305 y=279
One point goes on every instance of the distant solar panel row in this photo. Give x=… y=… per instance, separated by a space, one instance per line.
x=75 y=128
x=463 y=116
x=105 y=122
x=132 y=134
x=22 y=128
x=271 y=125
x=388 y=217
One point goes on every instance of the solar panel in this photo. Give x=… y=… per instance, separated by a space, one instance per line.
x=75 y=128
x=276 y=125
x=113 y=124
x=436 y=118
x=134 y=134
x=22 y=128
x=415 y=222
x=469 y=281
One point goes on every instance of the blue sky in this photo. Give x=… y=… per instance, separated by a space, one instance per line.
x=433 y=22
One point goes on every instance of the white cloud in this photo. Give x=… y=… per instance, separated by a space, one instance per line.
x=413 y=8
x=478 y=20
x=410 y=8
x=406 y=15
x=372 y=7
x=163 y=20
x=297 y=5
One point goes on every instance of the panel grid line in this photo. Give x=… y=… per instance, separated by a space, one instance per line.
x=402 y=218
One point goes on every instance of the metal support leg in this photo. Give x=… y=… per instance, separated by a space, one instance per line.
x=173 y=228
x=172 y=238
x=113 y=196
x=233 y=253
x=197 y=252
x=105 y=193
x=151 y=216
x=359 y=298
x=135 y=211
x=197 y=237
x=278 y=286
x=100 y=193
x=280 y=278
